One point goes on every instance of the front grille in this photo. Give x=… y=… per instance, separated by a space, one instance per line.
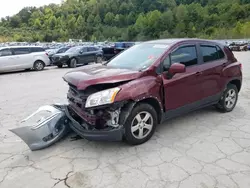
x=77 y=97
x=56 y=58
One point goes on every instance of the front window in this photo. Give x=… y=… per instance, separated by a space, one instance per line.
x=139 y=57
x=186 y=55
x=74 y=49
x=62 y=50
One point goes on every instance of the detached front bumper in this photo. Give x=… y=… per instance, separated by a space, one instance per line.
x=50 y=123
x=43 y=128
x=112 y=134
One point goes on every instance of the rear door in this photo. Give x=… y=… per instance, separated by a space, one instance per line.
x=213 y=60
x=22 y=58
x=183 y=88
x=7 y=62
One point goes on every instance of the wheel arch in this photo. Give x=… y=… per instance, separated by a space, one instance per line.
x=150 y=100
x=39 y=60
x=237 y=83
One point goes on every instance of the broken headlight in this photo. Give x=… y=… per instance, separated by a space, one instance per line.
x=102 y=97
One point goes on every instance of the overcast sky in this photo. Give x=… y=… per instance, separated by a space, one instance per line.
x=11 y=7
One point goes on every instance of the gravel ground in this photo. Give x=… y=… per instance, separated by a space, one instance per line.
x=203 y=149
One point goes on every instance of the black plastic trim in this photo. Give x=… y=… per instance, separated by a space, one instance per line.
x=191 y=107
x=95 y=135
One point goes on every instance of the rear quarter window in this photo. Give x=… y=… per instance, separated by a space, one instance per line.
x=220 y=52
x=37 y=49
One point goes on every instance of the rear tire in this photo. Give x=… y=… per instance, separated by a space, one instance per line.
x=229 y=99
x=38 y=65
x=141 y=124
x=73 y=63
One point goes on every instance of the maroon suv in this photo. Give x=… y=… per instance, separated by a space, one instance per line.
x=150 y=83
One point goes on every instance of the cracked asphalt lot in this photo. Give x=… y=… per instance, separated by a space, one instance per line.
x=203 y=149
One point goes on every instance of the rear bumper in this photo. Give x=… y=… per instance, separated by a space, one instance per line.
x=47 y=62
x=95 y=135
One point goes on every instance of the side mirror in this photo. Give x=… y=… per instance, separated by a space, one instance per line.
x=177 y=68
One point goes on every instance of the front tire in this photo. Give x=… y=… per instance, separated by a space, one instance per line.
x=98 y=59
x=141 y=124
x=229 y=99
x=38 y=66
x=73 y=63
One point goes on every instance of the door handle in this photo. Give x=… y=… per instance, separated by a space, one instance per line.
x=198 y=73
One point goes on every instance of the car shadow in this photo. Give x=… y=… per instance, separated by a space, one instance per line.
x=165 y=130
x=21 y=72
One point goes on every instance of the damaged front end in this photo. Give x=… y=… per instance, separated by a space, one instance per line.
x=44 y=127
x=50 y=123
x=104 y=122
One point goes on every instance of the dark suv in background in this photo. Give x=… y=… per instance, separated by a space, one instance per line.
x=78 y=55
x=149 y=83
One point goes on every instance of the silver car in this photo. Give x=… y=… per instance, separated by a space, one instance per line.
x=23 y=57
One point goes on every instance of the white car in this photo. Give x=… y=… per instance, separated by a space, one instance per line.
x=23 y=57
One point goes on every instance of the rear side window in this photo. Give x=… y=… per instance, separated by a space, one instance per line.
x=5 y=52
x=20 y=51
x=84 y=50
x=37 y=49
x=186 y=55
x=211 y=53
x=91 y=49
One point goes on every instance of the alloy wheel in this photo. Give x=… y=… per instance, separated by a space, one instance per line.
x=230 y=98
x=39 y=65
x=142 y=125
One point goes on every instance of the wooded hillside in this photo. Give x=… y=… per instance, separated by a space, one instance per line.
x=129 y=20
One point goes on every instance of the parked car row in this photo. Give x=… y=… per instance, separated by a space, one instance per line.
x=239 y=46
x=78 y=55
x=14 y=58
x=23 y=58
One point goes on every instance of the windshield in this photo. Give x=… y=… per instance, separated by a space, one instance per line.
x=138 y=57
x=74 y=49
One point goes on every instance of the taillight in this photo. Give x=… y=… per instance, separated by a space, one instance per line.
x=47 y=54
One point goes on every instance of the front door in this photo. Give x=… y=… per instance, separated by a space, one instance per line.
x=183 y=88
x=92 y=54
x=83 y=56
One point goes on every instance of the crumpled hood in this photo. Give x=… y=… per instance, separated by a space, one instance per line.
x=98 y=74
